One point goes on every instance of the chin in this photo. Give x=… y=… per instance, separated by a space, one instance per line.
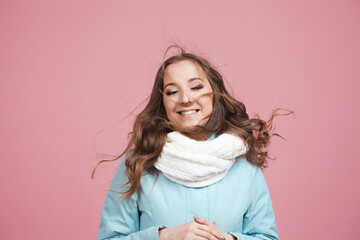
x=190 y=125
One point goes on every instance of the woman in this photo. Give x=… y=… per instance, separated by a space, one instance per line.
x=192 y=169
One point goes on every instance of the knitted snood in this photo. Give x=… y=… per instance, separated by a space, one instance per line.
x=198 y=163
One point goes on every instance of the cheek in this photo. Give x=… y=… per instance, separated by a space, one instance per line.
x=206 y=104
x=168 y=105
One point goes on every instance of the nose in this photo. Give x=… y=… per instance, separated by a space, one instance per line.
x=185 y=98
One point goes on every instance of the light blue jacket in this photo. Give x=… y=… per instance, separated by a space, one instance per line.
x=239 y=203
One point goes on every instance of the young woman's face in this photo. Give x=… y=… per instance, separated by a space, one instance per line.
x=184 y=81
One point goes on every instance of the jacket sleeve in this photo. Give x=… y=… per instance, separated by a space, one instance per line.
x=259 y=220
x=120 y=220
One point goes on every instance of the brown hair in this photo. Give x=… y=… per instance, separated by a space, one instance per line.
x=229 y=115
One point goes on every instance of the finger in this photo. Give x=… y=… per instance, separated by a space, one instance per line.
x=207 y=235
x=212 y=230
x=203 y=221
x=211 y=227
x=200 y=238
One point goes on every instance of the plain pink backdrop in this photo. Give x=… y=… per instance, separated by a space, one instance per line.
x=69 y=69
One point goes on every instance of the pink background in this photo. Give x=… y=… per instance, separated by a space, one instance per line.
x=70 y=69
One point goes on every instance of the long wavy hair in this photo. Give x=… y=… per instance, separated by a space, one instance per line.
x=152 y=125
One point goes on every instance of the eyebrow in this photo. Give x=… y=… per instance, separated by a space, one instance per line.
x=190 y=80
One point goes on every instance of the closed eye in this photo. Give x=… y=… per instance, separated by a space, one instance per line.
x=197 y=87
x=170 y=93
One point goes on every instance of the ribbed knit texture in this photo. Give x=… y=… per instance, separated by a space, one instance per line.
x=198 y=163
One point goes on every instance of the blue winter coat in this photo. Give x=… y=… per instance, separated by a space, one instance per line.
x=239 y=204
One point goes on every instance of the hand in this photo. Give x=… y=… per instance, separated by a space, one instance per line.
x=190 y=231
x=212 y=226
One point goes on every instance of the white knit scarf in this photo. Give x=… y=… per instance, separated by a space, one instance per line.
x=198 y=163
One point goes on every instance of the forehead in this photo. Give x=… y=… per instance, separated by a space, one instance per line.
x=183 y=71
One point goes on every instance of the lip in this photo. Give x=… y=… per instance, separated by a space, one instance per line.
x=195 y=111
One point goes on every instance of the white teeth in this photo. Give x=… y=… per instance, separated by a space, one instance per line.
x=188 y=112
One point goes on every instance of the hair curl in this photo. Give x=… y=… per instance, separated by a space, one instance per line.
x=229 y=115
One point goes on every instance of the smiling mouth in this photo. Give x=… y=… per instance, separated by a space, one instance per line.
x=188 y=112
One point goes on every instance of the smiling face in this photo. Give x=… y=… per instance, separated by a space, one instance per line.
x=184 y=82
